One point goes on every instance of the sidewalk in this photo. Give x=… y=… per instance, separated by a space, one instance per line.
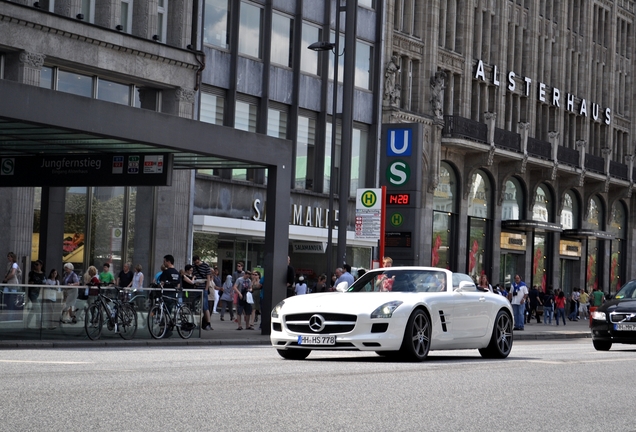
x=225 y=333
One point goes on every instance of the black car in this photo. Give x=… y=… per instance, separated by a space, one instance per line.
x=615 y=320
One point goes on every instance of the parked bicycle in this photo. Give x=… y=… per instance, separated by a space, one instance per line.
x=117 y=315
x=161 y=320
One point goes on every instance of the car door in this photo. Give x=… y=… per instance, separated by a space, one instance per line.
x=470 y=312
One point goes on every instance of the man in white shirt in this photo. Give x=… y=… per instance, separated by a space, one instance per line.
x=517 y=296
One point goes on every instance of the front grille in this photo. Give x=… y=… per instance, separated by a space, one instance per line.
x=622 y=317
x=334 y=323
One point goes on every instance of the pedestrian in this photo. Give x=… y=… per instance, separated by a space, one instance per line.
x=203 y=274
x=242 y=288
x=533 y=295
x=69 y=279
x=291 y=275
x=301 y=286
x=106 y=277
x=321 y=285
x=170 y=277
x=226 y=298
x=559 y=305
x=218 y=288
x=548 y=307
x=138 y=279
x=574 y=305
x=483 y=284
x=598 y=297
x=584 y=300
x=387 y=262
x=49 y=297
x=125 y=278
x=14 y=274
x=256 y=296
x=36 y=277
x=517 y=296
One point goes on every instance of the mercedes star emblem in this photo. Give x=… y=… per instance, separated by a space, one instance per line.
x=317 y=323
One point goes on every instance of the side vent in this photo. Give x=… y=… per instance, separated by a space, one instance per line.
x=443 y=320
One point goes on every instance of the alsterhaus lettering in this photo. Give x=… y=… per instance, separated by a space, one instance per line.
x=64 y=163
x=555 y=98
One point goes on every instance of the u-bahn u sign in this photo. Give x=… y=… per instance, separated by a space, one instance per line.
x=87 y=170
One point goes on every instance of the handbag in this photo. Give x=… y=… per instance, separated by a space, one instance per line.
x=249 y=298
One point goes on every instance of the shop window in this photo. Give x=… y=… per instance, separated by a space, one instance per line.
x=479 y=224
x=618 y=227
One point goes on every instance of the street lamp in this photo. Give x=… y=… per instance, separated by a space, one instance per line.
x=334 y=47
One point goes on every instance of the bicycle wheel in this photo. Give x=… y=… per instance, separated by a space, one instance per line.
x=157 y=322
x=93 y=322
x=185 y=322
x=126 y=321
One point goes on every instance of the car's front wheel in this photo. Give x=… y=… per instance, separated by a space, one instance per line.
x=294 y=354
x=601 y=345
x=417 y=336
x=501 y=340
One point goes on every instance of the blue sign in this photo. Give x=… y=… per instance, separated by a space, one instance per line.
x=399 y=142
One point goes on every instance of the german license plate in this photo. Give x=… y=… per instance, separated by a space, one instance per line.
x=316 y=340
x=625 y=327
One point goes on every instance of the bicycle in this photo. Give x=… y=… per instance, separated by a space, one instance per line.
x=118 y=316
x=161 y=320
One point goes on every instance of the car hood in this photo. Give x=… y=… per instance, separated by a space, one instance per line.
x=618 y=305
x=352 y=303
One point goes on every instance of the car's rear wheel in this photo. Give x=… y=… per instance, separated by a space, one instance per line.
x=417 y=337
x=294 y=354
x=501 y=340
x=602 y=345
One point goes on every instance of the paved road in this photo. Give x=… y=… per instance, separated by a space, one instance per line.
x=553 y=385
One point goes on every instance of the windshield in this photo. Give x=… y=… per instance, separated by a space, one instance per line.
x=401 y=281
x=628 y=291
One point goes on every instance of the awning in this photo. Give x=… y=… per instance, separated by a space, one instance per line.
x=530 y=225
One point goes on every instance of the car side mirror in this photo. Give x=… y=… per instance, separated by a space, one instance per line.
x=466 y=286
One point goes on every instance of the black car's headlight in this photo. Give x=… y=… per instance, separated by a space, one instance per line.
x=386 y=310
x=599 y=316
x=277 y=309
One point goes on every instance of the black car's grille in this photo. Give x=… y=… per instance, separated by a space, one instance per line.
x=333 y=323
x=623 y=317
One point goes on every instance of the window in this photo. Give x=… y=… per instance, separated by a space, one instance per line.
x=245 y=119
x=328 y=184
x=512 y=201
x=363 y=65
x=479 y=224
x=570 y=212
x=282 y=33
x=305 y=148
x=340 y=56
x=113 y=92
x=277 y=123
x=88 y=10
x=126 y=9
x=46 y=78
x=162 y=20
x=251 y=23
x=70 y=82
x=215 y=23
x=444 y=215
x=358 y=160
x=211 y=108
x=366 y=3
x=308 y=58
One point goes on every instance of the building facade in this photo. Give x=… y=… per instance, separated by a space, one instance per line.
x=527 y=114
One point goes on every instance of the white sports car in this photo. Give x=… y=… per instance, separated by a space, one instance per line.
x=398 y=311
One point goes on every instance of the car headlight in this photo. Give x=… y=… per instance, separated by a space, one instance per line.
x=386 y=310
x=277 y=309
x=599 y=316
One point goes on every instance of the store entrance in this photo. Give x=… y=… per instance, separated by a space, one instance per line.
x=509 y=266
x=567 y=275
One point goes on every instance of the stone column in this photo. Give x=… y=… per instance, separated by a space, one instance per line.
x=17 y=204
x=524 y=130
x=180 y=23
x=554 y=142
x=179 y=102
x=580 y=145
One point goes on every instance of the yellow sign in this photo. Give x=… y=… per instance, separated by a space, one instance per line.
x=513 y=241
x=570 y=248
